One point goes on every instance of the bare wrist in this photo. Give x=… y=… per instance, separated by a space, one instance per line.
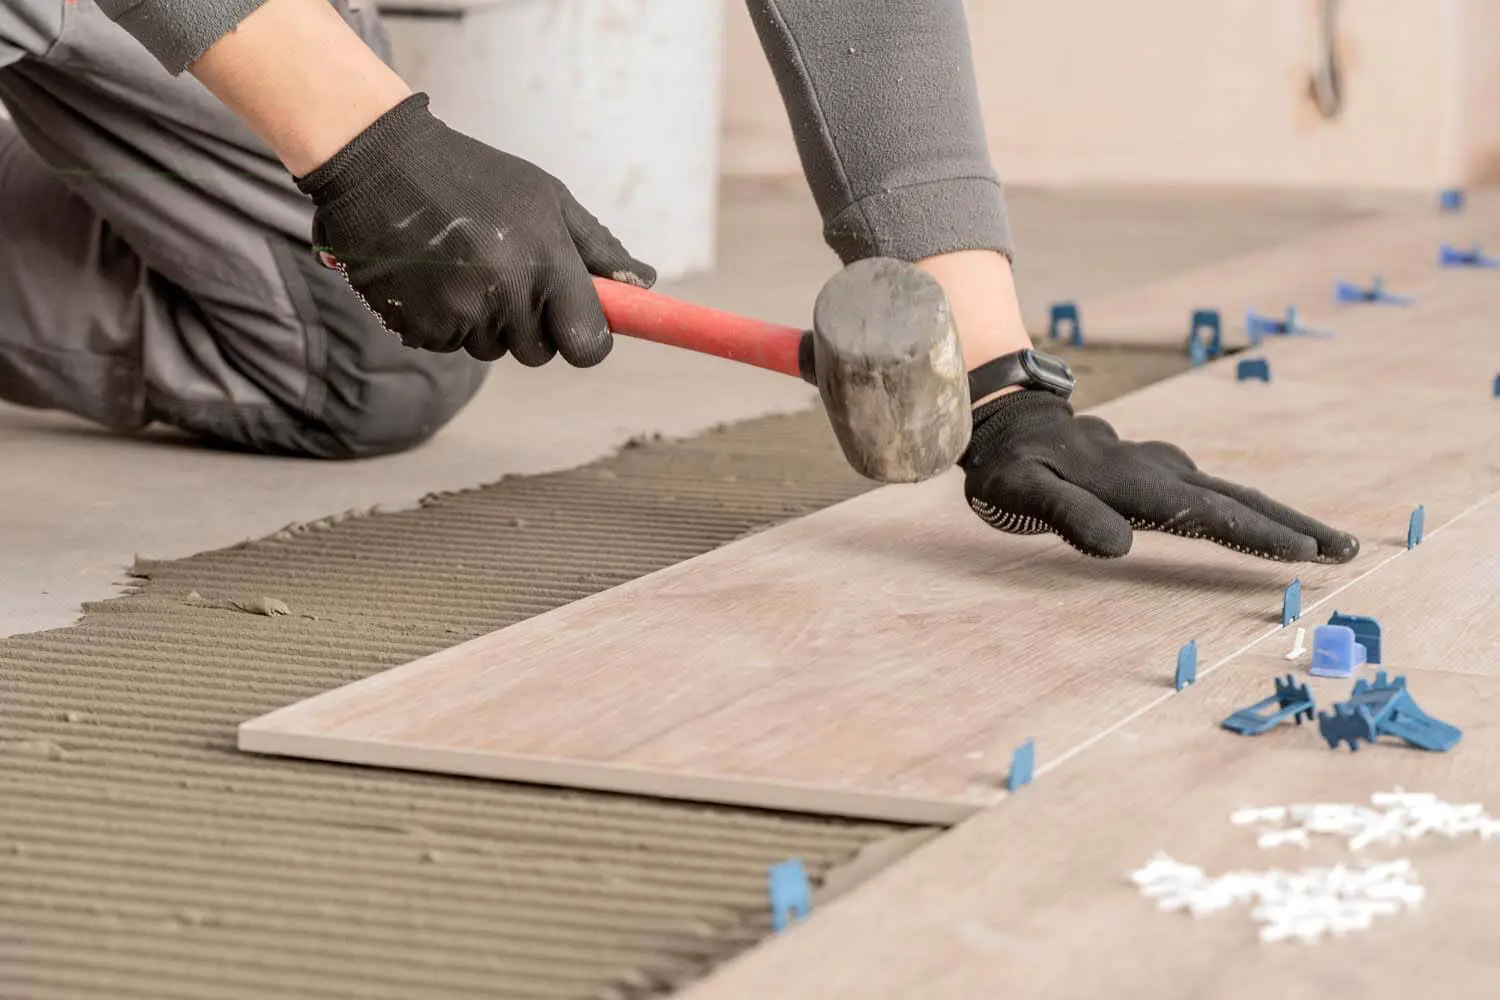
x=982 y=296
x=301 y=79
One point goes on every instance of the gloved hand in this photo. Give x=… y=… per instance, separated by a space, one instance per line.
x=457 y=245
x=1033 y=467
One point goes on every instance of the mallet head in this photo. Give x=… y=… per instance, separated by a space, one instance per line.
x=891 y=372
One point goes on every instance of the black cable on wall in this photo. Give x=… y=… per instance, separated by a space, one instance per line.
x=1326 y=85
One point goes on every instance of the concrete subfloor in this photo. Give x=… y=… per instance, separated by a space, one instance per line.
x=77 y=504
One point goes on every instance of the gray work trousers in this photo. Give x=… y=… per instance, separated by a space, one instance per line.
x=154 y=255
x=155 y=263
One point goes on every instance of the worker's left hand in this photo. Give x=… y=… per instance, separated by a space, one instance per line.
x=453 y=244
x=1034 y=467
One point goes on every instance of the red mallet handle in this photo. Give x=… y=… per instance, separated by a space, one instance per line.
x=646 y=315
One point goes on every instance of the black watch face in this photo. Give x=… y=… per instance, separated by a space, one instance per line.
x=1053 y=372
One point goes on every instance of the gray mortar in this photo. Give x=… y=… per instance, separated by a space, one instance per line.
x=142 y=856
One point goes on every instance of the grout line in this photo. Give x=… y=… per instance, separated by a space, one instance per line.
x=1121 y=723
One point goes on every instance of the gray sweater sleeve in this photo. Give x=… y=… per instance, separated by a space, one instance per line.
x=885 y=111
x=177 y=32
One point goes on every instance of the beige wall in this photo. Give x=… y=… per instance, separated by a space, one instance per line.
x=1478 y=30
x=1182 y=91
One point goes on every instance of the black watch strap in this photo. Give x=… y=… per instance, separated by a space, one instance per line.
x=1028 y=369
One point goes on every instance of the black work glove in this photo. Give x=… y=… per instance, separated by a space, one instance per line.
x=1033 y=467
x=457 y=245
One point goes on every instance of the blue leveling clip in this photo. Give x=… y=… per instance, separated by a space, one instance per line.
x=1197 y=353
x=1291 y=326
x=791 y=894
x=1414 y=527
x=1336 y=652
x=1347 y=723
x=1451 y=200
x=1291 y=602
x=1258 y=326
x=1208 y=320
x=1344 y=291
x=1292 y=701
x=1385 y=706
x=1403 y=718
x=1187 y=665
x=1065 y=312
x=1022 y=762
x=1383 y=697
x=1449 y=256
x=1366 y=633
x=1250 y=368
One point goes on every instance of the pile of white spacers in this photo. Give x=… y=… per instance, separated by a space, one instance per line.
x=1307 y=904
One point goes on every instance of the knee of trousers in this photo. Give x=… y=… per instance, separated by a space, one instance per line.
x=383 y=398
x=373 y=402
x=379 y=396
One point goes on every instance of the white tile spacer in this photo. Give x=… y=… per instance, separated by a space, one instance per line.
x=1164 y=869
x=1269 y=814
x=1315 y=902
x=1385 y=871
x=1276 y=838
x=1386 y=829
x=1211 y=900
x=1402 y=798
x=1344 y=820
x=1457 y=820
x=1327 y=812
x=1409 y=893
x=1423 y=825
x=1297 y=648
x=1383 y=907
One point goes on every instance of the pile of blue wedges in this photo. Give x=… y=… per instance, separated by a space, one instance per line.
x=1375 y=708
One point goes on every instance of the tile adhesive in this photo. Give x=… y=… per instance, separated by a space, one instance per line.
x=143 y=856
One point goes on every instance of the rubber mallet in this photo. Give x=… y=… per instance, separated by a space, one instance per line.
x=883 y=353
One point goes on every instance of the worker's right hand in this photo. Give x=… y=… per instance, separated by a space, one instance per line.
x=1032 y=467
x=455 y=245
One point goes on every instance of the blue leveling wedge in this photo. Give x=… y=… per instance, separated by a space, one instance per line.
x=1291 y=602
x=1420 y=731
x=1065 y=312
x=1022 y=762
x=1257 y=325
x=1366 y=633
x=1252 y=368
x=1449 y=256
x=1382 y=698
x=1349 y=724
x=1187 y=665
x=791 y=894
x=1197 y=353
x=1292 y=701
x=1208 y=319
x=1344 y=291
x=1384 y=707
x=1398 y=714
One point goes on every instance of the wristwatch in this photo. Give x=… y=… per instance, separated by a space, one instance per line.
x=1029 y=369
